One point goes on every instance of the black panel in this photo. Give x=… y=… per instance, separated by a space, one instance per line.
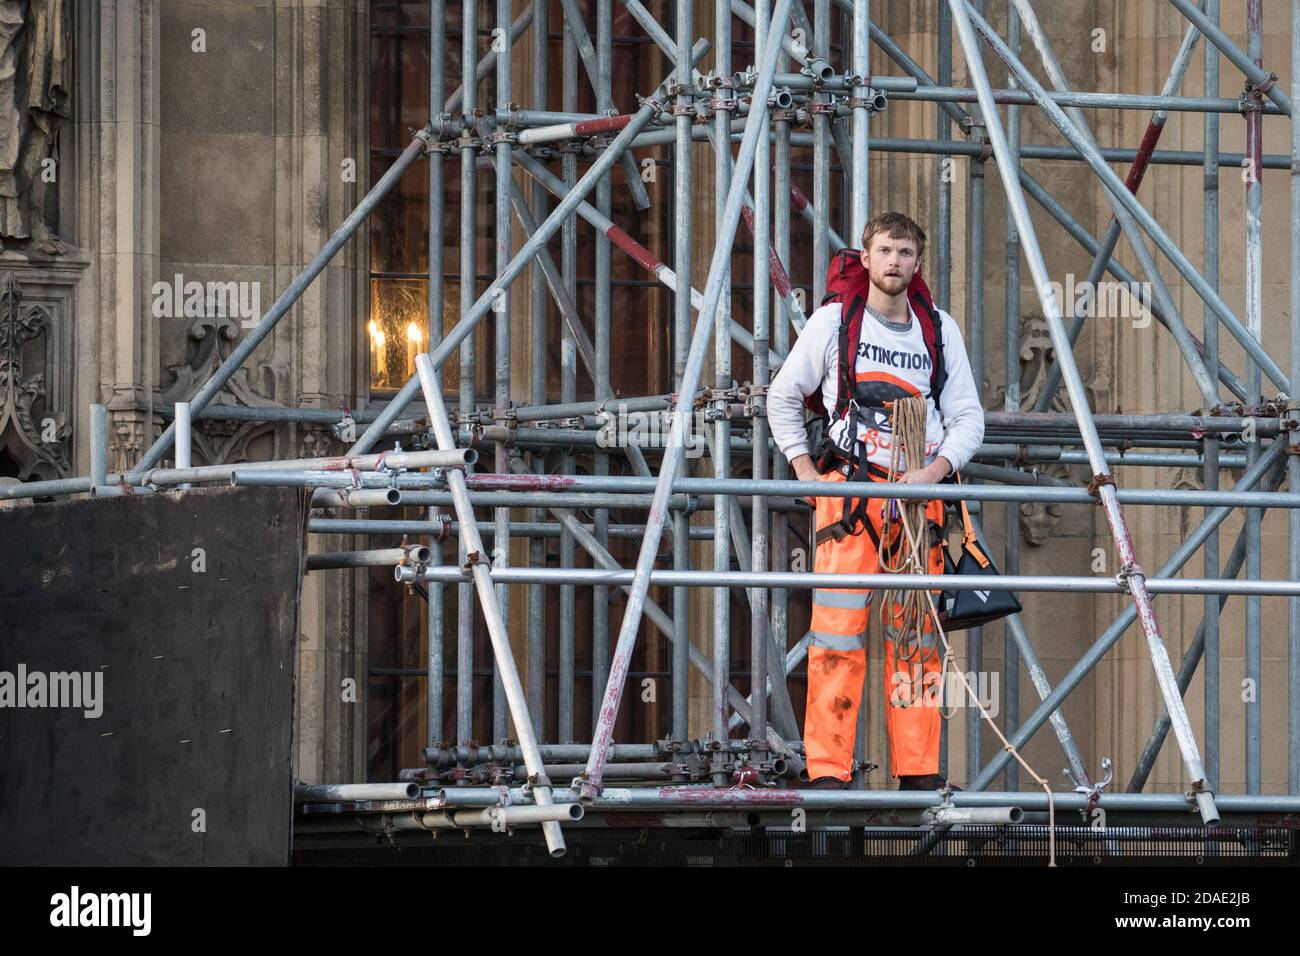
x=196 y=668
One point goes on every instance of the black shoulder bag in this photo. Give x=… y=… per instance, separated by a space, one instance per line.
x=963 y=609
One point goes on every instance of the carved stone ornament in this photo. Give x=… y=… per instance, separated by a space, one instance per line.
x=33 y=436
x=209 y=341
x=1039 y=519
x=316 y=441
x=1036 y=356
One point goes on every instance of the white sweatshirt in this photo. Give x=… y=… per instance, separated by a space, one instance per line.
x=893 y=364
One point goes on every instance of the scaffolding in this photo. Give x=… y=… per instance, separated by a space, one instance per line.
x=792 y=97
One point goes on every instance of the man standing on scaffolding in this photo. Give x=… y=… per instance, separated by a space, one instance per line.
x=899 y=354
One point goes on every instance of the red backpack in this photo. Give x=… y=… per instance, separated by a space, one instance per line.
x=847 y=282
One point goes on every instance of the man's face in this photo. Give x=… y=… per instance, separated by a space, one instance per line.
x=890 y=262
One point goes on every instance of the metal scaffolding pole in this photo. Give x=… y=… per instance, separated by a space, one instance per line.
x=1011 y=514
x=603 y=317
x=781 y=200
x=1254 y=209
x=484 y=303
x=1150 y=226
x=626 y=244
x=943 y=231
x=1074 y=584
x=762 y=309
x=975 y=335
x=589 y=783
x=545 y=273
x=682 y=222
x=659 y=619
x=1138 y=158
x=502 y=194
x=1190 y=660
x=565 y=704
x=418 y=146
x=1155 y=127
x=856 y=157
x=821 y=201
x=1245 y=62
x=468 y=288
x=478 y=563
x=1210 y=471
x=1160 y=292
x=1102 y=480
x=724 y=102
x=434 y=608
x=1293 y=437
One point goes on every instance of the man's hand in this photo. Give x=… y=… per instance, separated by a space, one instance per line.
x=931 y=474
x=805 y=470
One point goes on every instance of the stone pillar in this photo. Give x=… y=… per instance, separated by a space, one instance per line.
x=114 y=214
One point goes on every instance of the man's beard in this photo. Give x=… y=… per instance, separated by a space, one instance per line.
x=890 y=285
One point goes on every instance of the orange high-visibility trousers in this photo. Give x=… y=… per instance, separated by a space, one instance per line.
x=837 y=658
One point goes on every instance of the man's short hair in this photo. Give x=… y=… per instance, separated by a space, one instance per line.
x=895 y=225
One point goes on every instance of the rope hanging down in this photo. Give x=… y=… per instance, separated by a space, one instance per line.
x=904 y=627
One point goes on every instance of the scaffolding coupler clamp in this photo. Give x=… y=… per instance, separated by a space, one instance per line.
x=1094 y=486
x=828 y=108
x=658 y=105
x=428 y=137
x=791 y=115
x=976 y=130
x=676 y=90
x=467 y=139
x=724 y=103
x=1129 y=569
x=508 y=416
x=1093 y=790
x=718 y=402
x=586 y=790
x=444 y=128
x=744 y=79
x=1252 y=98
x=1197 y=788
x=470 y=434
